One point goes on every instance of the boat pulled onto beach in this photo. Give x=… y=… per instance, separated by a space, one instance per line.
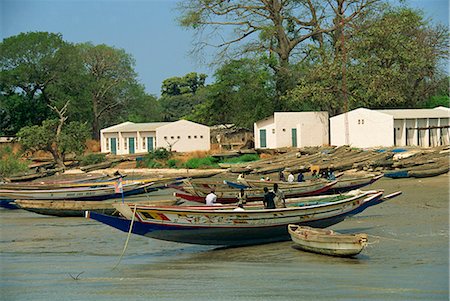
x=326 y=241
x=213 y=225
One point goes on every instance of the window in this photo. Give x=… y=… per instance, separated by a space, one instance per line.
x=172 y=137
x=201 y=137
x=362 y=121
x=165 y=137
x=189 y=137
x=125 y=143
x=273 y=131
x=284 y=130
x=143 y=142
x=195 y=137
x=178 y=137
x=359 y=121
x=107 y=143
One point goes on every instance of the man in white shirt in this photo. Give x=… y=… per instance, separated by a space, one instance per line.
x=211 y=199
x=290 y=178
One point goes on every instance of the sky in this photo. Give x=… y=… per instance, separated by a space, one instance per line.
x=146 y=29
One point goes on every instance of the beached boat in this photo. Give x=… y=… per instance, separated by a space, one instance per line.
x=197 y=194
x=328 y=242
x=344 y=183
x=79 y=193
x=229 y=227
x=65 y=208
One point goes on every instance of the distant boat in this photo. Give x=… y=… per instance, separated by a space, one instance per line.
x=229 y=227
x=65 y=208
x=78 y=193
x=327 y=242
x=225 y=196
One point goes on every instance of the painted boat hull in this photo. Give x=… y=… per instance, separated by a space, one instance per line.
x=233 y=228
x=227 y=198
x=97 y=193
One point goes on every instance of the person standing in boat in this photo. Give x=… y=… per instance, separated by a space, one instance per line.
x=279 y=199
x=211 y=199
x=268 y=199
x=300 y=177
x=281 y=176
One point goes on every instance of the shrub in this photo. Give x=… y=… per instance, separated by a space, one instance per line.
x=201 y=163
x=92 y=158
x=243 y=158
x=10 y=162
x=173 y=163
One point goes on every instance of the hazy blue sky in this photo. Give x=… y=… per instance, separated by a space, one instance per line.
x=146 y=29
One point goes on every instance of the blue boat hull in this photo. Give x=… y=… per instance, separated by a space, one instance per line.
x=236 y=236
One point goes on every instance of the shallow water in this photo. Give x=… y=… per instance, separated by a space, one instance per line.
x=407 y=259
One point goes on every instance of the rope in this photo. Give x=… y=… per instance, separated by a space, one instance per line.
x=128 y=238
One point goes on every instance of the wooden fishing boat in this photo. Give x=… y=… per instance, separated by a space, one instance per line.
x=66 y=208
x=344 y=183
x=327 y=242
x=79 y=193
x=211 y=226
x=254 y=194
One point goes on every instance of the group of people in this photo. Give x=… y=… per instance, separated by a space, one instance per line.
x=272 y=198
x=291 y=177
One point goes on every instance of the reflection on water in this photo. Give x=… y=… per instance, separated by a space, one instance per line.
x=407 y=259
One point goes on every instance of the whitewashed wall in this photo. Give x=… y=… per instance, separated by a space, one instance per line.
x=184 y=136
x=366 y=128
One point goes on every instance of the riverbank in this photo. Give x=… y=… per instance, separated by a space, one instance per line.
x=407 y=258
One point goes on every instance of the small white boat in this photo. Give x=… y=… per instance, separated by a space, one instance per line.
x=326 y=241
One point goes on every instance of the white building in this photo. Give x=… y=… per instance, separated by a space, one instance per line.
x=130 y=138
x=400 y=127
x=292 y=129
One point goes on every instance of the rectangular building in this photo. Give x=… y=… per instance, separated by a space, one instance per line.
x=292 y=129
x=131 y=138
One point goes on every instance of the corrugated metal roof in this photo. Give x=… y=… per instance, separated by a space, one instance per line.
x=134 y=127
x=417 y=113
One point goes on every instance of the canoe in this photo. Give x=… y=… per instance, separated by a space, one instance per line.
x=327 y=242
x=79 y=193
x=66 y=208
x=255 y=194
x=228 y=227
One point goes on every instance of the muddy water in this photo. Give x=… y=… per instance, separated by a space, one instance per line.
x=407 y=259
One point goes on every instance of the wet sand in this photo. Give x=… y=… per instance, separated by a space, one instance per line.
x=407 y=259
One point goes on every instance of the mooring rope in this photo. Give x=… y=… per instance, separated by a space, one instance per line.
x=128 y=238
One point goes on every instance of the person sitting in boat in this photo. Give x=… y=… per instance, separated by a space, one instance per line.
x=268 y=199
x=242 y=197
x=290 y=177
x=211 y=198
x=315 y=175
x=300 y=177
x=331 y=175
x=279 y=199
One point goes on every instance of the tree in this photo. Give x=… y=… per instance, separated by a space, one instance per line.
x=36 y=68
x=393 y=62
x=111 y=82
x=51 y=136
x=179 y=95
x=276 y=28
x=242 y=94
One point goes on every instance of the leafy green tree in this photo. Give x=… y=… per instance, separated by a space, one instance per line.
x=393 y=61
x=45 y=137
x=242 y=94
x=37 y=69
x=282 y=30
x=179 y=95
x=111 y=82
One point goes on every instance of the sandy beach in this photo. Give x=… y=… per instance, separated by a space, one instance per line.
x=407 y=258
